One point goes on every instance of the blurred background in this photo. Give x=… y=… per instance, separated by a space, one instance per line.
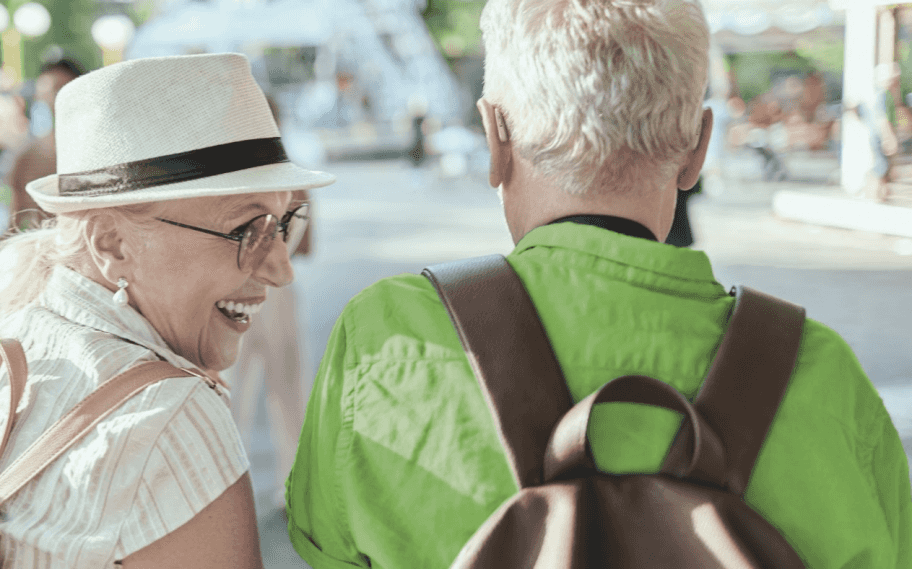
x=806 y=193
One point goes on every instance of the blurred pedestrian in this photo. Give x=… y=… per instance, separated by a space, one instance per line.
x=417 y=107
x=767 y=136
x=593 y=114
x=13 y=122
x=39 y=157
x=813 y=94
x=13 y=134
x=270 y=363
x=883 y=138
x=172 y=204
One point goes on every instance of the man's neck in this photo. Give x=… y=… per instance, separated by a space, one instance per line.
x=541 y=202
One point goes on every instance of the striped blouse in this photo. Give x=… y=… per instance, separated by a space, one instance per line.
x=144 y=471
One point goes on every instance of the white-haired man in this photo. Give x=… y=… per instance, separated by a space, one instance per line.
x=593 y=114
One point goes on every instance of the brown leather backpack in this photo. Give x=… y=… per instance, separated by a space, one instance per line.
x=568 y=514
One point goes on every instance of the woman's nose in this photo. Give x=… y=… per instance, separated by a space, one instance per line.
x=276 y=269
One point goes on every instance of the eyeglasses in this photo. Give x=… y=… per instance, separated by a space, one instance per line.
x=255 y=237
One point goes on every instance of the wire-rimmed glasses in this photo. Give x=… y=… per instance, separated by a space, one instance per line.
x=255 y=237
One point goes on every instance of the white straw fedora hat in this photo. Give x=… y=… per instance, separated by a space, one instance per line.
x=166 y=128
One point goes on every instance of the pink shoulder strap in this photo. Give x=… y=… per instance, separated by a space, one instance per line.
x=80 y=420
x=11 y=353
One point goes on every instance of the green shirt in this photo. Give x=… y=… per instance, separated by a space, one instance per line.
x=399 y=461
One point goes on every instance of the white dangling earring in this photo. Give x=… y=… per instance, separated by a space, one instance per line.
x=120 y=297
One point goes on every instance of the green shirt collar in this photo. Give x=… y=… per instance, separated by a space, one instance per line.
x=676 y=262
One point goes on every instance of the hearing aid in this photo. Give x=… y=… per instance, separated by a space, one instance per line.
x=501 y=125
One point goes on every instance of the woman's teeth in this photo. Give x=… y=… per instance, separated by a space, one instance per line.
x=237 y=310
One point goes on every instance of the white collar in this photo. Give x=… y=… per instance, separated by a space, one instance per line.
x=81 y=300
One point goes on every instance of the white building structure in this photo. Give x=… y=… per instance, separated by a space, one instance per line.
x=869 y=40
x=867 y=28
x=384 y=43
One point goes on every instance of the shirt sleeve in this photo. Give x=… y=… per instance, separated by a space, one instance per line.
x=890 y=469
x=317 y=513
x=195 y=458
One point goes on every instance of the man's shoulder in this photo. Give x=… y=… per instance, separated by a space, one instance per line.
x=823 y=346
x=404 y=287
x=405 y=293
x=828 y=378
x=405 y=308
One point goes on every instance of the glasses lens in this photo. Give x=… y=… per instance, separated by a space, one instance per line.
x=255 y=245
x=295 y=222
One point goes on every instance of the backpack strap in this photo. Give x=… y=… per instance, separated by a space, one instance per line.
x=80 y=420
x=746 y=382
x=510 y=354
x=17 y=368
x=494 y=316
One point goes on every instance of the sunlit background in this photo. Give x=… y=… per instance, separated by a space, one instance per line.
x=351 y=76
x=381 y=93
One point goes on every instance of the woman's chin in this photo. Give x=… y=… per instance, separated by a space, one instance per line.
x=219 y=350
x=219 y=356
x=220 y=359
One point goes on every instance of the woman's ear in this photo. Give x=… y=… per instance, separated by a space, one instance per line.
x=110 y=255
x=498 y=139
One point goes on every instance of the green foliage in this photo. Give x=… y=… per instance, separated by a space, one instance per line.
x=142 y=11
x=71 y=25
x=454 y=26
x=905 y=66
x=71 y=22
x=754 y=71
x=825 y=52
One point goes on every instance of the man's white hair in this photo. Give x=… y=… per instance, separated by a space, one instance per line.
x=598 y=94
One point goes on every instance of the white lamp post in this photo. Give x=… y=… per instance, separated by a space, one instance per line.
x=112 y=33
x=6 y=35
x=4 y=18
x=30 y=20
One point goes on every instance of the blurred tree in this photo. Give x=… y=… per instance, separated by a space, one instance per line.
x=904 y=57
x=754 y=71
x=70 y=32
x=71 y=21
x=454 y=26
x=143 y=10
x=823 y=51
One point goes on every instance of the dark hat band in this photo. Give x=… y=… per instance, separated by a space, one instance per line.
x=173 y=168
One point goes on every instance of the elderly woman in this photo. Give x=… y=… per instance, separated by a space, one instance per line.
x=172 y=202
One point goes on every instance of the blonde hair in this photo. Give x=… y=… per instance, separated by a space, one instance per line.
x=598 y=94
x=62 y=240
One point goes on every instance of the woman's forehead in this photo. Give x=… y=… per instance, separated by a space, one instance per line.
x=231 y=206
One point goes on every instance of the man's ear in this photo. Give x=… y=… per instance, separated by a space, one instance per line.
x=498 y=139
x=690 y=170
x=107 y=248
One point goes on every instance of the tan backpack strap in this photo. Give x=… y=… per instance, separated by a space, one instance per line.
x=510 y=354
x=11 y=353
x=80 y=420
